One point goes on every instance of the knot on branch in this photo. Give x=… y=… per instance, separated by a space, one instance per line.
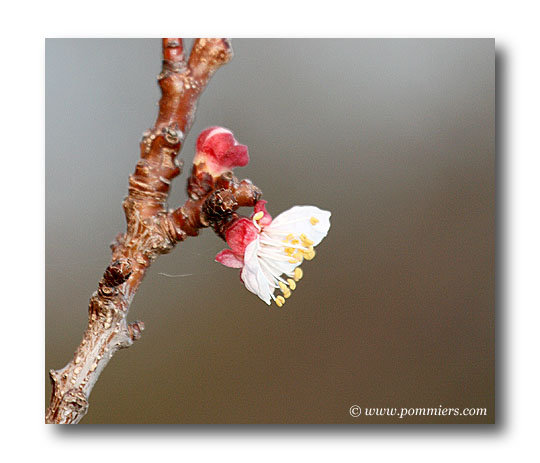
x=218 y=210
x=117 y=273
x=108 y=298
x=135 y=330
x=219 y=204
x=173 y=134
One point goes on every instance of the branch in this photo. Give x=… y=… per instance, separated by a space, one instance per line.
x=151 y=229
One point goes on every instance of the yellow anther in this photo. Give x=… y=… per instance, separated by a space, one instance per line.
x=284 y=289
x=295 y=242
x=314 y=221
x=258 y=216
x=289 y=251
x=298 y=256
x=306 y=241
x=298 y=274
x=290 y=236
x=310 y=254
x=292 y=283
x=280 y=300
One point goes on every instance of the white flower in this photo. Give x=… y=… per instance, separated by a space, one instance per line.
x=270 y=251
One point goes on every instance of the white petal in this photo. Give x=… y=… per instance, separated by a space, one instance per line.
x=252 y=274
x=298 y=220
x=280 y=266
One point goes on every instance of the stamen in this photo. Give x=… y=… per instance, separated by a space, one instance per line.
x=274 y=277
x=272 y=255
x=314 y=221
x=292 y=283
x=280 y=300
x=310 y=253
x=272 y=268
x=298 y=274
x=258 y=216
x=286 y=291
x=306 y=241
x=274 y=243
x=271 y=277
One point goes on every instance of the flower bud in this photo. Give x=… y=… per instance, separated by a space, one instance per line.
x=219 y=151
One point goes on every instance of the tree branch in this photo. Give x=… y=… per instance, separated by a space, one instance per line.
x=151 y=229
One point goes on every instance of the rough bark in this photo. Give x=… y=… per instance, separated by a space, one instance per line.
x=151 y=229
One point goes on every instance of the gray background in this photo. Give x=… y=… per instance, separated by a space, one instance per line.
x=395 y=137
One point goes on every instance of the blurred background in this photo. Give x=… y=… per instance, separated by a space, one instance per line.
x=395 y=137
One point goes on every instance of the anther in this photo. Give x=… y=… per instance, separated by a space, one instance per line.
x=313 y=221
x=280 y=300
x=258 y=216
x=292 y=283
x=286 y=291
x=306 y=241
x=310 y=253
x=298 y=274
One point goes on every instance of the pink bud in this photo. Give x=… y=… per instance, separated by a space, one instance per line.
x=219 y=150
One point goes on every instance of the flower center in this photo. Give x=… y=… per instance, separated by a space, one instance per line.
x=276 y=254
x=277 y=250
x=297 y=252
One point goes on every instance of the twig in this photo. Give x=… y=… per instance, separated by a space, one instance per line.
x=151 y=229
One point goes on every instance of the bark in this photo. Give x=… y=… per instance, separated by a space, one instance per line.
x=151 y=229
